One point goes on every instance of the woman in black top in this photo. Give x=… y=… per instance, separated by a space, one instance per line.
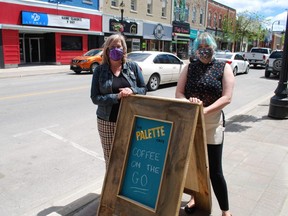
x=114 y=79
x=210 y=82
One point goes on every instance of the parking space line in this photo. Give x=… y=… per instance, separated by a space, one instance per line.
x=75 y=145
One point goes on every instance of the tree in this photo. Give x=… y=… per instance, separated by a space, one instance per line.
x=228 y=28
x=250 y=25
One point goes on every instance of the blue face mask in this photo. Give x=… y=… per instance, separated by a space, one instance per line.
x=116 y=54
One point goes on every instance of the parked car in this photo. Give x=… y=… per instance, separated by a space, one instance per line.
x=258 y=56
x=157 y=67
x=87 y=62
x=238 y=63
x=274 y=63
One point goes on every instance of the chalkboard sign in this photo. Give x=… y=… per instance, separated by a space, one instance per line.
x=159 y=150
x=146 y=158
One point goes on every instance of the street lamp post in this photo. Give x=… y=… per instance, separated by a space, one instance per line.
x=122 y=5
x=272 y=41
x=279 y=102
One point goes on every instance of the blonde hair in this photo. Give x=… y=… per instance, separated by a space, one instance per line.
x=108 y=42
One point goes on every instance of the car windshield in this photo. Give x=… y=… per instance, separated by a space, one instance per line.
x=265 y=51
x=139 y=57
x=223 y=55
x=93 y=52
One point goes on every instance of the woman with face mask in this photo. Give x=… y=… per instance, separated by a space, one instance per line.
x=209 y=82
x=113 y=80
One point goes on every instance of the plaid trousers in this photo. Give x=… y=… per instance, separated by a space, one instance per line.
x=106 y=131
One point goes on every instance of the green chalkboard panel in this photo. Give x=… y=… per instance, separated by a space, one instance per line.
x=146 y=160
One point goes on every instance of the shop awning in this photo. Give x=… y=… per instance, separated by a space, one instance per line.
x=181 y=37
x=33 y=29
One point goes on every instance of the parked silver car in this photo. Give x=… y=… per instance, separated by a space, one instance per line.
x=274 y=63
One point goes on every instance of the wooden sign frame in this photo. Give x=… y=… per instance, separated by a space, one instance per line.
x=185 y=162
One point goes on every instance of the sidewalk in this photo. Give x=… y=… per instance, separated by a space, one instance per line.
x=255 y=162
x=33 y=70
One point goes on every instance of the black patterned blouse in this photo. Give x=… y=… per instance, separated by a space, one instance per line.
x=204 y=81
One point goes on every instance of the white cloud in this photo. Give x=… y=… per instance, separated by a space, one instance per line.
x=272 y=10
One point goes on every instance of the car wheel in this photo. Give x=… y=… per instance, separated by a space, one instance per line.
x=277 y=64
x=93 y=66
x=235 y=71
x=153 y=82
x=77 y=71
x=267 y=73
x=247 y=69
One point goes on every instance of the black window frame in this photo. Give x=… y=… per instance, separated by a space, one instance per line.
x=67 y=41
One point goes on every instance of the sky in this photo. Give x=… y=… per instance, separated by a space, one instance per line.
x=272 y=10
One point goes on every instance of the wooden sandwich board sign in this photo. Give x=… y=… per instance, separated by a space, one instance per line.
x=159 y=150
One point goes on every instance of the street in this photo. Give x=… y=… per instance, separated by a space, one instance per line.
x=50 y=149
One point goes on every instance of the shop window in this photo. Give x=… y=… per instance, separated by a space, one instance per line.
x=215 y=20
x=71 y=42
x=194 y=13
x=201 y=16
x=134 y=5
x=164 y=8
x=114 y=3
x=209 y=19
x=220 y=21
x=149 y=6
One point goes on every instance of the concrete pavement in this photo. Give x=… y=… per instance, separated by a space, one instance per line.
x=255 y=162
x=22 y=71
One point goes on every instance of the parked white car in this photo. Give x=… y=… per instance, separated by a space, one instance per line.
x=258 y=56
x=157 y=67
x=238 y=63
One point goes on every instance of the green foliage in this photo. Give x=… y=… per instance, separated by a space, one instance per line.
x=250 y=25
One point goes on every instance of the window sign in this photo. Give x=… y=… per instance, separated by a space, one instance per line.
x=150 y=140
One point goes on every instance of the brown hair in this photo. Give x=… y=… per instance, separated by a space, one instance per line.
x=108 y=42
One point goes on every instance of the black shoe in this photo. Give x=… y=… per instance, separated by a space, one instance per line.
x=190 y=210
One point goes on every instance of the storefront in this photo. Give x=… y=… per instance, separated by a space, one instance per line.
x=157 y=37
x=130 y=28
x=36 y=35
x=181 y=39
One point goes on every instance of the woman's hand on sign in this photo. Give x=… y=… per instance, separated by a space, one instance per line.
x=195 y=100
x=124 y=92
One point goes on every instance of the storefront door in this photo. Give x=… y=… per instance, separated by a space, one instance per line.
x=34 y=44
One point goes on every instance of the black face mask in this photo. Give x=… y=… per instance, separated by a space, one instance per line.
x=205 y=53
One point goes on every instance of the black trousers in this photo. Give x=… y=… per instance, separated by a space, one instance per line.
x=216 y=175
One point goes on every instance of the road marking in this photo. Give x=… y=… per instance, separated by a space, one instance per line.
x=43 y=93
x=56 y=136
x=32 y=131
x=75 y=145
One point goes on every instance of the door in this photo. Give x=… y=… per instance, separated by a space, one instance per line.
x=163 y=67
x=34 y=44
x=22 y=50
